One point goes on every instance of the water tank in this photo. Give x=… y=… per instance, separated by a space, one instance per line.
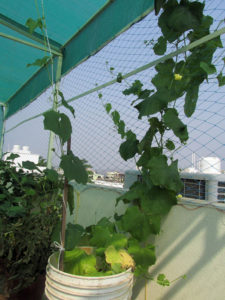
x=26 y=150
x=16 y=148
x=210 y=165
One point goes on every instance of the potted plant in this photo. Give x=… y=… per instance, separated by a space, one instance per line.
x=29 y=209
x=123 y=246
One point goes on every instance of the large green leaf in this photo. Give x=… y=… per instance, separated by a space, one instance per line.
x=160 y=47
x=153 y=104
x=77 y=262
x=178 y=18
x=66 y=105
x=191 y=99
x=135 y=88
x=128 y=149
x=118 y=240
x=173 y=122
x=100 y=236
x=59 y=123
x=73 y=235
x=29 y=165
x=74 y=168
x=165 y=175
x=51 y=175
x=208 y=68
x=143 y=257
x=159 y=201
x=136 y=223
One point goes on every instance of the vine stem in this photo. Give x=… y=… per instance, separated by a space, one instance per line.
x=63 y=227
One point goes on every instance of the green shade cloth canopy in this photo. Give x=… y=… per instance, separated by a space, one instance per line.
x=76 y=30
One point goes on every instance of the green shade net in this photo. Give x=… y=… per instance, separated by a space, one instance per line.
x=76 y=28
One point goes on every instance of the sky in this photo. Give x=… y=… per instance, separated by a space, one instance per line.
x=94 y=136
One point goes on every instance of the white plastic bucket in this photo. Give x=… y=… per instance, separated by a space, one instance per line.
x=60 y=285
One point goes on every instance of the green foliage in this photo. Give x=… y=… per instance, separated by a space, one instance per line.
x=177 y=78
x=221 y=79
x=161 y=280
x=125 y=243
x=59 y=123
x=160 y=46
x=172 y=121
x=66 y=105
x=39 y=62
x=33 y=24
x=73 y=168
x=30 y=205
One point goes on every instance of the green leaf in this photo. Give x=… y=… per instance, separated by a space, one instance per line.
x=160 y=47
x=159 y=201
x=121 y=128
x=170 y=145
x=70 y=198
x=179 y=17
x=51 y=175
x=104 y=222
x=73 y=235
x=161 y=279
x=136 y=223
x=143 y=257
x=74 y=168
x=59 y=123
x=172 y=121
x=116 y=257
x=33 y=24
x=128 y=149
x=119 y=77
x=29 y=165
x=158 y=5
x=112 y=256
x=100 y=236
x=221 y=79
x=108 y=107
x=191 y=99
x=15 y=211
x=77 y=262
x=164 y=175
x=208 y=68
x=153 y=104
x=66 y=105
x=39 y=62
x=12 y=156
x=118 y=241
x=116 y=117
x=135 y=89
x=136 y=191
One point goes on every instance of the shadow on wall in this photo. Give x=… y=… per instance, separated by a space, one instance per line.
x=191 y=243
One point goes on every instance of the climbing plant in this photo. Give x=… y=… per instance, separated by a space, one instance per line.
x=176 y=79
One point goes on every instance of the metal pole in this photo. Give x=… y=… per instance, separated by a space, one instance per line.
x=54 y=107
x=4 y=111
x=15 y=39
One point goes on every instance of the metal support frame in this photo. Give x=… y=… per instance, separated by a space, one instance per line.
x=21 y=29
x=54 y=107
x=2 y=133
x=138 y=70
x=13 y=38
